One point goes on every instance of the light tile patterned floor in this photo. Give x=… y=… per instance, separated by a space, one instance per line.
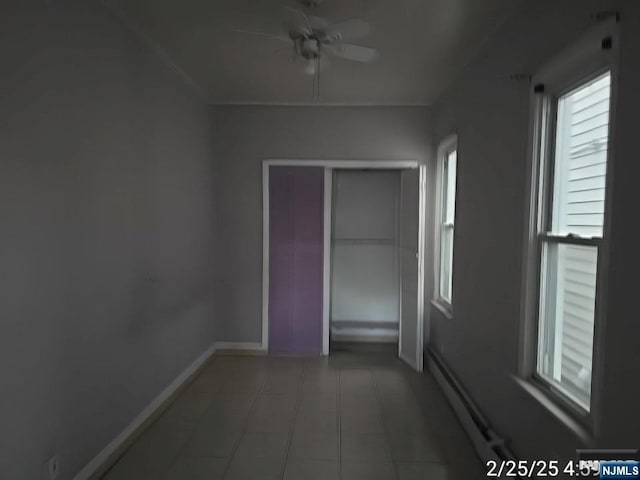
x=348 y=417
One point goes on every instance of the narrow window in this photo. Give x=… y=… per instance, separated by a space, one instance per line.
x=447 y=160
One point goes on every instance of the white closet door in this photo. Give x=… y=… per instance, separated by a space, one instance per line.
x=411 y=256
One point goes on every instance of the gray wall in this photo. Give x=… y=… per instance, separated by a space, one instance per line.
x=107 y=228
x=245 y=136
x=490 y=112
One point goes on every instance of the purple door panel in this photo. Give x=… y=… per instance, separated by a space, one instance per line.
x=296 y=225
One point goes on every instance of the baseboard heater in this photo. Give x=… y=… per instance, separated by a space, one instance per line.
x=488 y=444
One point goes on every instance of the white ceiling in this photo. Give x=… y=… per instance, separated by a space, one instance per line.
x=423 y=45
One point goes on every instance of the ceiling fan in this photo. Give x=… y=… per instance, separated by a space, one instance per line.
x=312 y=38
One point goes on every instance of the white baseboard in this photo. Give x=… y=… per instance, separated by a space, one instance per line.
x=255 y=347
x=103 y=460
x=349 y=338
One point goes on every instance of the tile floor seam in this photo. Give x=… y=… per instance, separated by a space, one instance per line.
x=446 y=460
x=387 y=433
x=295 y=415
x=243 y=431
x=179 y=450
x=193 y=429
x=339 y=420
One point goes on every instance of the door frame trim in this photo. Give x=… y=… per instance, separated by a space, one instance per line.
x=328 y=166
x=326 y=259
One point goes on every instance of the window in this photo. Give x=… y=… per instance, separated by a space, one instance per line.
x=571 y=237
x=569 y=171
x=447 y=160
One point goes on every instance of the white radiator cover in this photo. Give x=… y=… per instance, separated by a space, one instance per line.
x=488 y=444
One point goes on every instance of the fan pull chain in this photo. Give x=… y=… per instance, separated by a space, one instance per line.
x=313 y=93
x=318 y=74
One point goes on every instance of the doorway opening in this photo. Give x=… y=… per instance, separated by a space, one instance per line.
x=343 y=253
x=365 y=261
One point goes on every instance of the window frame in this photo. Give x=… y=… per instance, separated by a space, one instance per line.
x=584 y=61
x=445 y=148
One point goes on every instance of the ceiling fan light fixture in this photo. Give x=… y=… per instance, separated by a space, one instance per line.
x=310 y=48
x=314 y=39
x=310 y=68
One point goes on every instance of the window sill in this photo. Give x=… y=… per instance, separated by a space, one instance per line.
x=444 y=308
x=542 y=397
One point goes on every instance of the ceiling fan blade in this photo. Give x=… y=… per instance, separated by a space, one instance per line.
x=297 y=16
x=348 y=30
x=260 y=34
x=317 y=23
x=323 y=62
x=357 y=53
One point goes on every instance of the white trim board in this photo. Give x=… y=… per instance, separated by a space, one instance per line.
x=326 y=259
x=328 y=165
x=253 y=103
x=255 y=347
x=109 y=454
x=344 y=164
x=265 y=255
x=422 y=239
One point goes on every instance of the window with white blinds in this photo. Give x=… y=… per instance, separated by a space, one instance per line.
x=571 y=237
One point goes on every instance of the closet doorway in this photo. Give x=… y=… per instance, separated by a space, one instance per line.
x=365 y=259
x=343 y=254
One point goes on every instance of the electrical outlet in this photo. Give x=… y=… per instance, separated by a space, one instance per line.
x=54 y=467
